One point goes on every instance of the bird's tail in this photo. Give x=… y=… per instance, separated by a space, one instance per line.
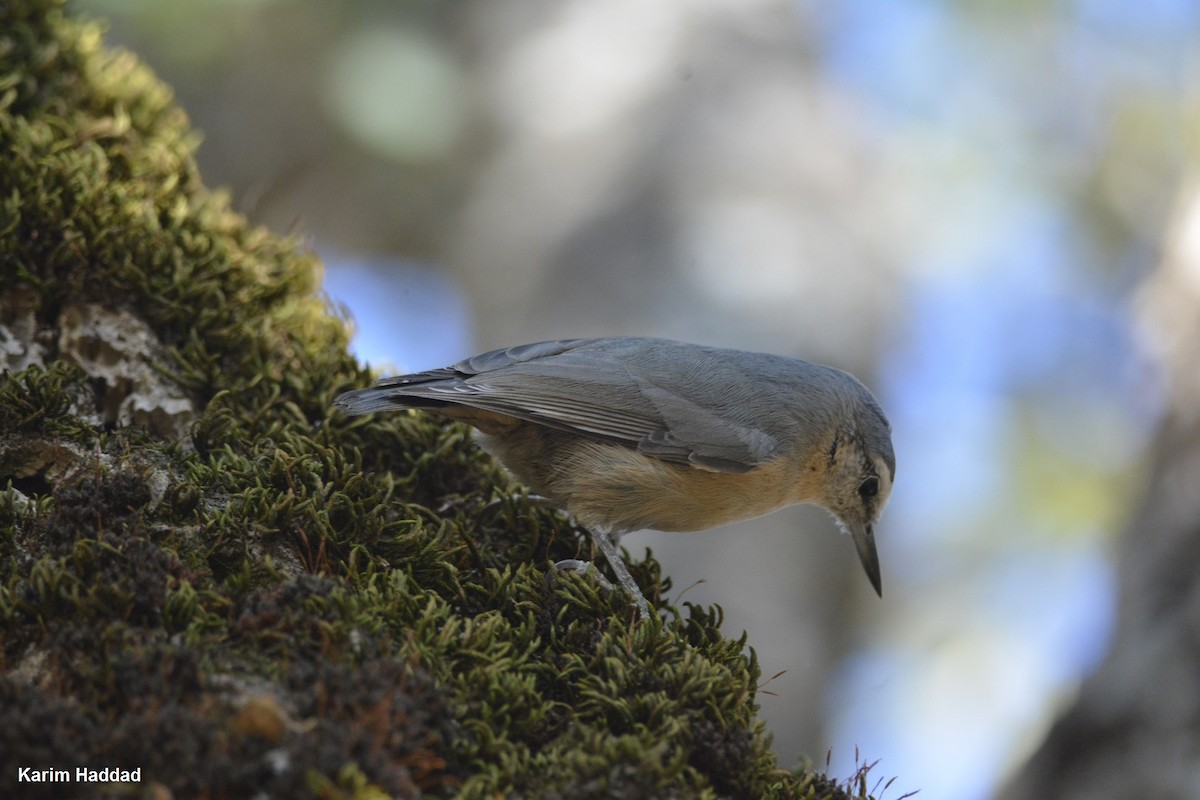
x=380 y=398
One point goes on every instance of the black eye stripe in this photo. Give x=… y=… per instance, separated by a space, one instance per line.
x=833 y=449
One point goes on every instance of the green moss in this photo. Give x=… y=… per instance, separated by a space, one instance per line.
x=284 y=601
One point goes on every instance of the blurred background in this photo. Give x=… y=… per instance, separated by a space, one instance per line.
x=959 y=202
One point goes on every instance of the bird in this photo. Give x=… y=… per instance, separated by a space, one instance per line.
x=629 y=433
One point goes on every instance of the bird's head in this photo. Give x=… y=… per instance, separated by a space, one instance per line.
x=858 y=481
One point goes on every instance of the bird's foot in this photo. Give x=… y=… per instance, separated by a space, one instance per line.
x=605 y=542
x=583 y=568
x=535 y=500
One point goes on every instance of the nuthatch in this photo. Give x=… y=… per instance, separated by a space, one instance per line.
x=629 y=433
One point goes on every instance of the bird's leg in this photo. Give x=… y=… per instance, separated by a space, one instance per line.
x=607 y=543
x=604 y=540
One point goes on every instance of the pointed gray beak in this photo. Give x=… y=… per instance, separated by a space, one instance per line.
x=864 y=543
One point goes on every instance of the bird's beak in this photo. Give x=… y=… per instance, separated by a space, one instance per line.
x=864 y=542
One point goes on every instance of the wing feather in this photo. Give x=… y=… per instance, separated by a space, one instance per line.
x=601 y=388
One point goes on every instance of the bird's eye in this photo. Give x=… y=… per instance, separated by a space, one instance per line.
x=868 y=488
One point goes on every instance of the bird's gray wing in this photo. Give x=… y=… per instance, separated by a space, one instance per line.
x=703 y=433
x=590 y=387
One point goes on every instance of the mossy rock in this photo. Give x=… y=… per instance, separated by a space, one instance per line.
x=206 y=575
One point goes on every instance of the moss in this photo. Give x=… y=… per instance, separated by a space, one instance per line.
x=281 y=601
